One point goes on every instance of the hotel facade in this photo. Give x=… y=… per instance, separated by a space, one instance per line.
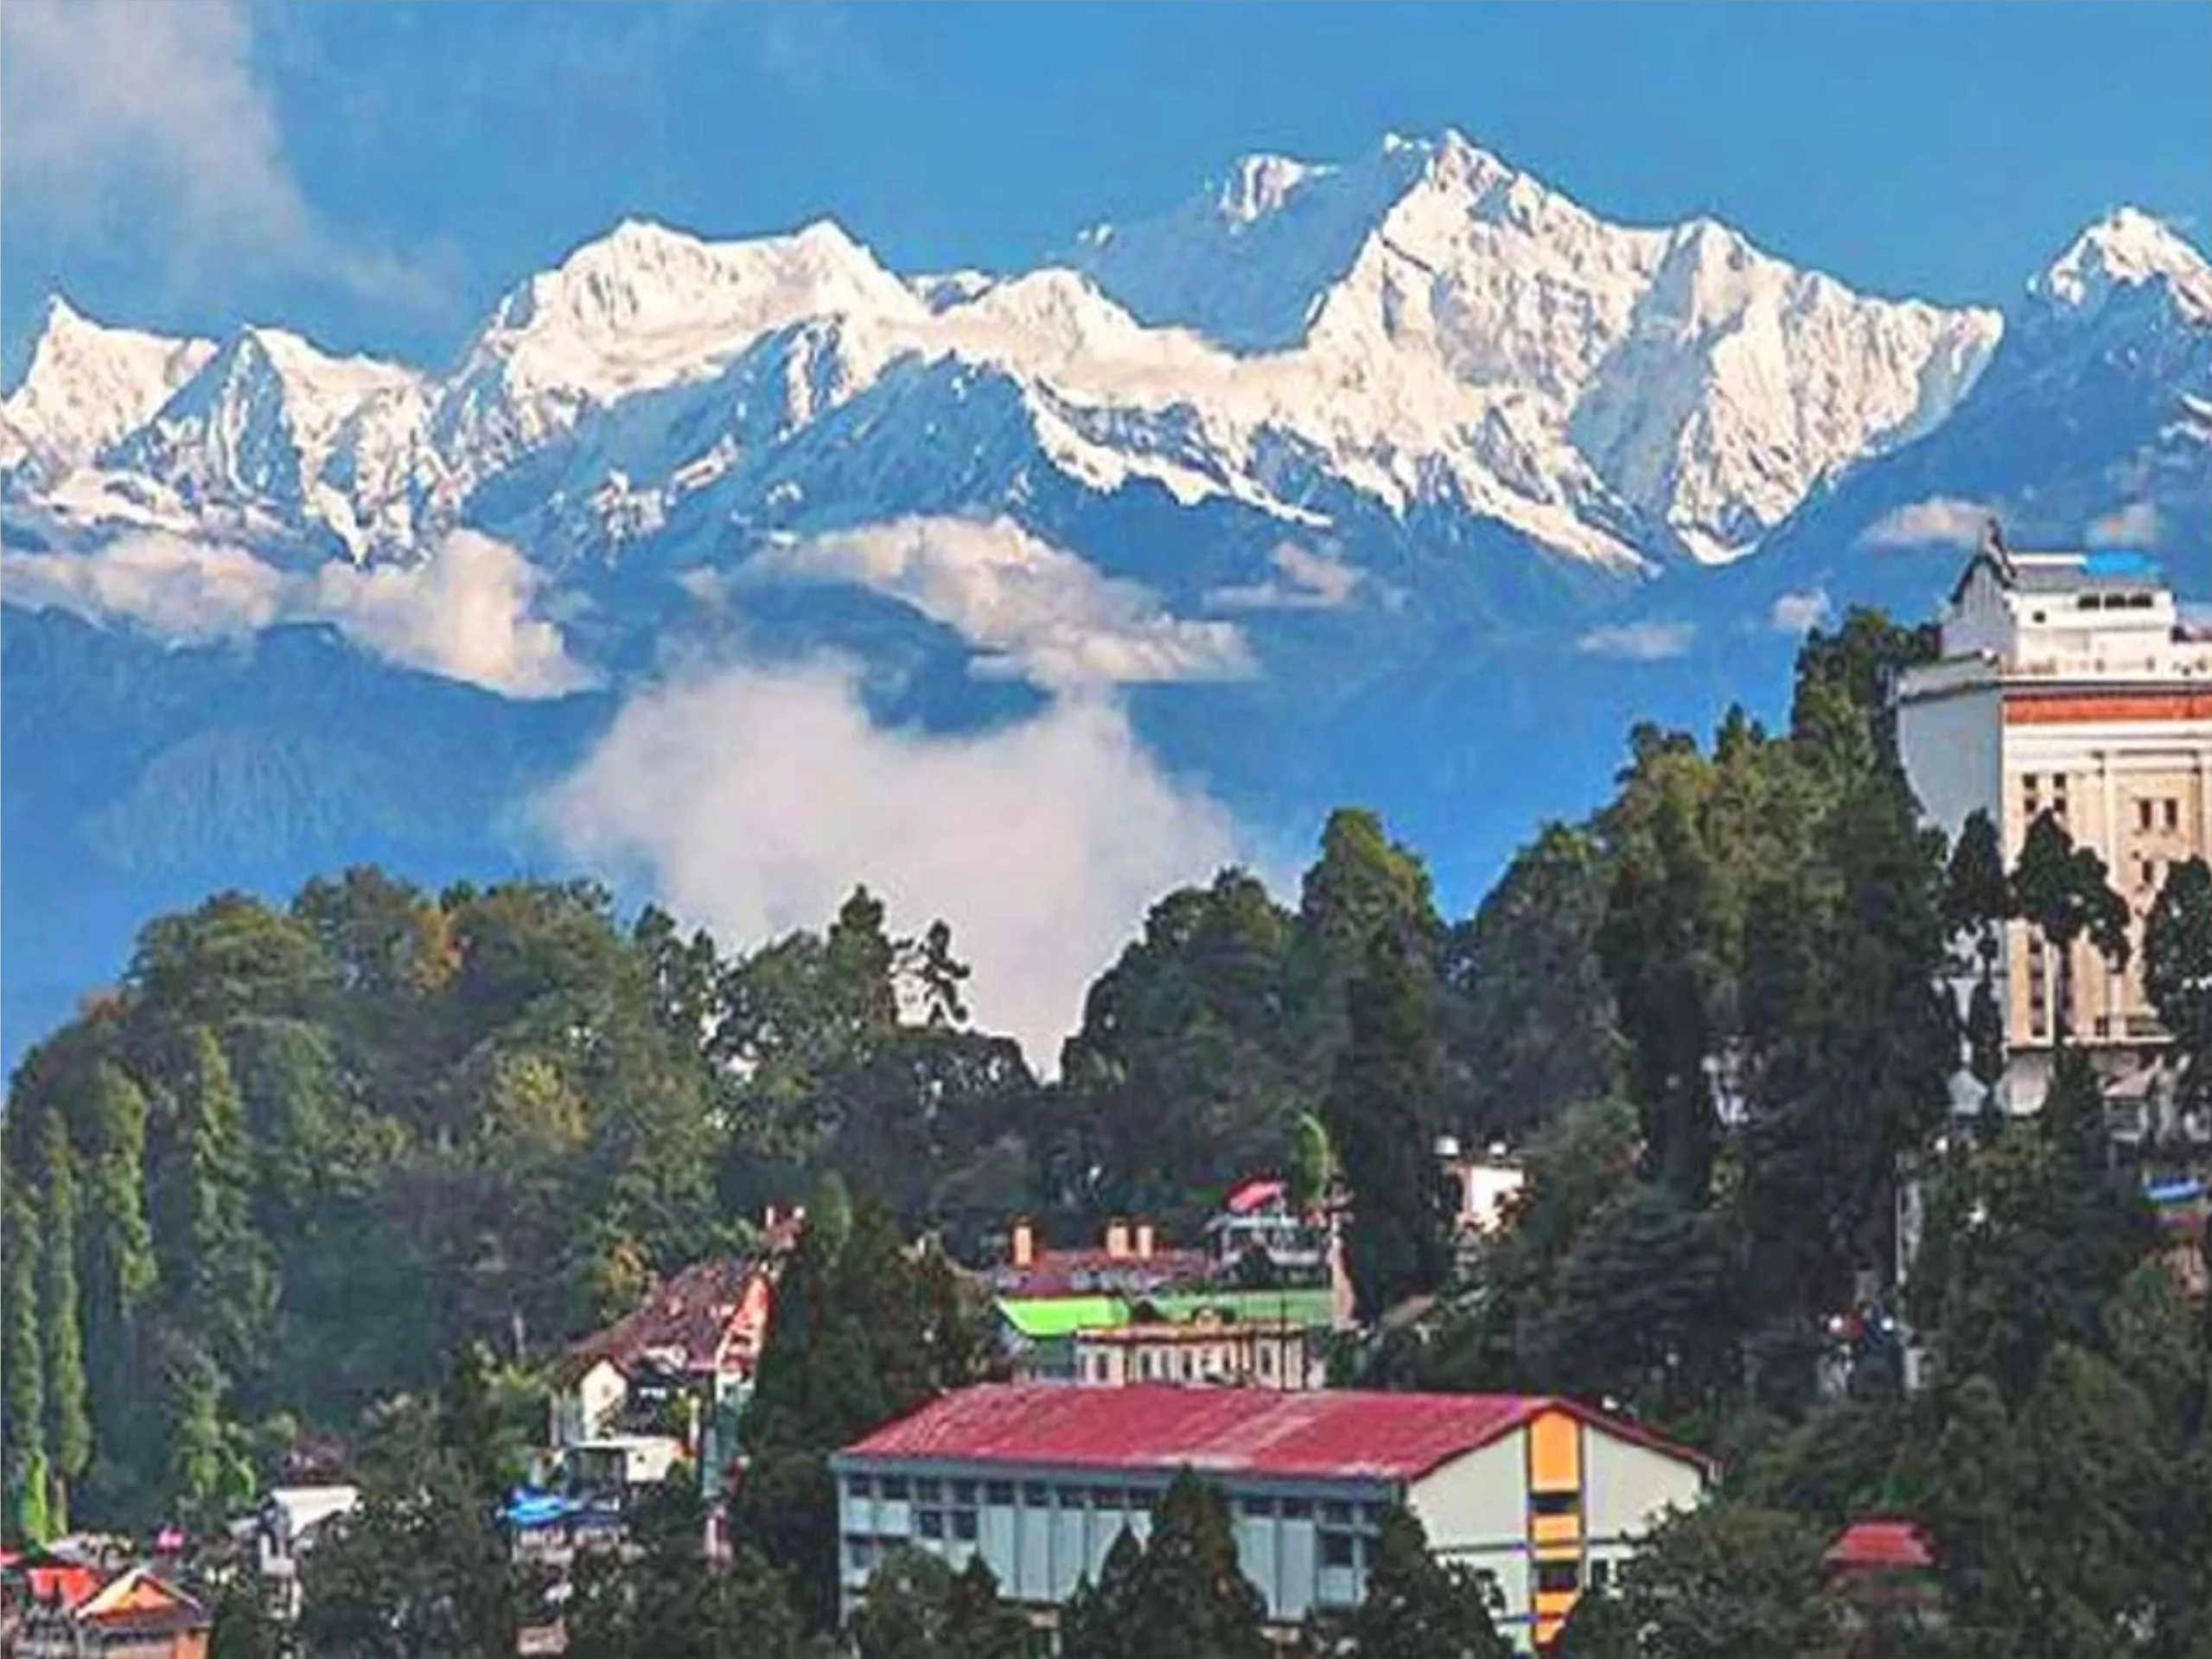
x=2068 y=684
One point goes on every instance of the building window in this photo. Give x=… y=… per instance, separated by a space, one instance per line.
x=1035 y=1494
x=1071 y=1497
x=928 y=1491
x=1298 y=1508
x=1000 y=1492
x=2170 y=810
x=860 y=1553
x=2058 y=796
x=1267 y=1362
x=2142 y=814
x=1555 y=1577
x=1554 y=1502
x=1108 y=1497
x=1258 y=1506
x=932 y=1523
x=859 y=1487
x=963 y=1526
x=964 y=1492
x=1336 y=1549
x=1600 y=1576
x=894 y=1488
x=1336 y=1514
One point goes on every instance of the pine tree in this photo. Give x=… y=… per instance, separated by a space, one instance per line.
x=1192 y=1597
x=2060 y=890
x=1382 y=1117
x=69 y=1430
x=1415 y=1607
x=2177 y=972
x=26 y=1469
x=1101 y=1620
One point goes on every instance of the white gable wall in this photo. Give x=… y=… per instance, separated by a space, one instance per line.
x=1474 y=1509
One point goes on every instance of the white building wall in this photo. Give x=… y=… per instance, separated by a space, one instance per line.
x=1627 y=1489
x=1474 y=1509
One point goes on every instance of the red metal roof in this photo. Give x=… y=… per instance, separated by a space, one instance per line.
x=1339 y=1435
x=1254 y=1195
x=1883 y=1544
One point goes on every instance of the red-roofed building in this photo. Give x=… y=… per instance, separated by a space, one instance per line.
x=1544 y=1494
x=69 y=1610
x=1883 y=1573
x=693 y=1339
x=1129 y=1261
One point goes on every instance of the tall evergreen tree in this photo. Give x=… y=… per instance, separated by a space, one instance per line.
x=1417 y=1607
x=2177 y=972
x=1192 y=1597
x=22 y=1440
x=1382 y=1117
x=2060 y=890
x=1102 y=1620
x=69 y=1429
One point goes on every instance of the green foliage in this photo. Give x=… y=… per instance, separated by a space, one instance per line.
x=1415 y=1607
x=2060 y=890
x=1382 y=1114
x=1538 y=1029
x=662 y=1598
x=24 y=1474
x=1181 y=1591
x=1312 y=1173
x=421 y=1570
x=69 y=1429
x=2177 y=972
x=1730 y=1582
x=916 y=1607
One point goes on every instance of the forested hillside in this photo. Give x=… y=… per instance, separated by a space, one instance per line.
x=301 y=1158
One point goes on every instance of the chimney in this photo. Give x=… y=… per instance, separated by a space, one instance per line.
x=1144 y=1241
x=1117 y=1240
x=1025 y=1242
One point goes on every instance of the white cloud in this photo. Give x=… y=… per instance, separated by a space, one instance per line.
x=1303 y=581
x=2133 y=526
x=180 y=590
x=1032 y=609
x=1799 y=613
x=753 y=800
x=1940 y=521
x=467 y=612
x=149 y=120
x=1639 y=642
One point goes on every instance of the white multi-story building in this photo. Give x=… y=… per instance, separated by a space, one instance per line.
x=2068 y=684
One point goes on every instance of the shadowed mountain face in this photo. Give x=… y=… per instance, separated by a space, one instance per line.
x=1407 y=481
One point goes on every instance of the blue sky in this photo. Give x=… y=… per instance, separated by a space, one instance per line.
x=376 y=175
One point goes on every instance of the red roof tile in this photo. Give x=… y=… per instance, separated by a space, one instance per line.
x=1330 y=1435
x=1881 y=1544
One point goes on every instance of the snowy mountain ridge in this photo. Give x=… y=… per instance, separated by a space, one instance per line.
x=1424 y=326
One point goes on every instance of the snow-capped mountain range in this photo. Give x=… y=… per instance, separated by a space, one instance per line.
x=1425 y=326
x=1422 y=478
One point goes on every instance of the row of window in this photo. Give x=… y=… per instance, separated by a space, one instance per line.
x=2116 y=602
x=1555 y=1577
x=930 y=1493
x=2164 y=813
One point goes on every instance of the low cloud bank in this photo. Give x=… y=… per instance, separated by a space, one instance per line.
x=752 y=799
x=466 y=612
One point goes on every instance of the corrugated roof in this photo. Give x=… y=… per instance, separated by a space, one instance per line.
x=1223 y=1431
x=1881 y=1544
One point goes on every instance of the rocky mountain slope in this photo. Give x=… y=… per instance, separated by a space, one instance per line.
x=1408 y=480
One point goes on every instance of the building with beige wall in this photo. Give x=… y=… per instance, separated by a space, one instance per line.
x=1544 y=1495
x=2068 y=684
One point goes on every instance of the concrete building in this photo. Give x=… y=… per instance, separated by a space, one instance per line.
x=2069 y=684
x=1544 y=1495
x=1104 y=1338
x=1211 y=1349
